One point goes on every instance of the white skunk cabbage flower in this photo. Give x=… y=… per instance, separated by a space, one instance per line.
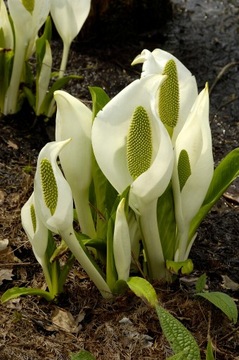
x=28 y=17
x=131 y=145
x=54 y=203
x=178 y=93
x=74 y=120
x=122 y=243
x=69 y=17
x=193 y=169
x=133 y=148
x=37 y=234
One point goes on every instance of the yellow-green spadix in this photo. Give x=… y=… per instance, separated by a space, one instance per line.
x=53 y=197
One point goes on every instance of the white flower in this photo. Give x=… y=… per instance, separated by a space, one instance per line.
x=74 y=120
x=181 y=88
x=131 y=145
x=54 y=205
x=193 y=168
x=69 y=17
x=133 y=149
x=27 y=17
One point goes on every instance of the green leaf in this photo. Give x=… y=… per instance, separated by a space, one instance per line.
x=225 y=173
x=6 y=63
x=143 y=289
x=82 y=355
x=209 y=354
x=98 y=244
x=102 y=196
x=41 y=44
x=178 y=356
x=99 y=99
x=30 y=97
x=167 y=222
x=201 y=282
x=64 y=271
x=183 y=267
x=15 y=292
x=111 y=273
x=57 y=85
x=120 y=287
x=180 y=339
x=223 y=302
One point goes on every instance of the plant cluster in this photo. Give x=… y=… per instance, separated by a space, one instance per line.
x=126 y=184
x=20 y=24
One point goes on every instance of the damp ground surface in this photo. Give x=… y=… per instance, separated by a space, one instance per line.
x=204 y=35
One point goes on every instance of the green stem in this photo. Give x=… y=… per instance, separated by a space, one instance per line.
x=151 y=241
x=66 y=49
x=78 y=251
x=184 y=245
x=100 y=184
x=47 y=275
x=55 y=274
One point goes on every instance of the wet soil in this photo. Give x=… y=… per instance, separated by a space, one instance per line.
x=204 y=35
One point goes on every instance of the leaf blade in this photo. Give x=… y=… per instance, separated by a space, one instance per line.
x=180 y=339
x=225 y=173
x=223 y=302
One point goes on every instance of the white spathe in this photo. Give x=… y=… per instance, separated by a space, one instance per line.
x=109 y=134
x=74 y=120
x=62 y=217
x=69 y=17
x=36 y=232
x=195 y=139
x=154 y=63
x=28 y=21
